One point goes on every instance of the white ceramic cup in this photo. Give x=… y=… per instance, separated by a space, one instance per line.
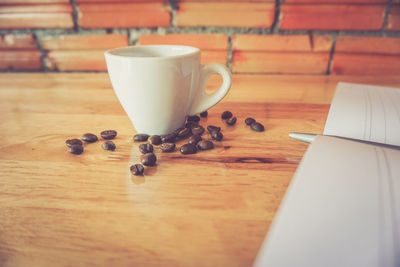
x=159 y=85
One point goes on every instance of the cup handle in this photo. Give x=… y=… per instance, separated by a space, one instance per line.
x=204 y=101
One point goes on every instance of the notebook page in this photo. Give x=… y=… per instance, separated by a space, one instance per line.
x=365 y=112
x=342 y=208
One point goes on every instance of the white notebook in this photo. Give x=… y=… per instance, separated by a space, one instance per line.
x=342 y=207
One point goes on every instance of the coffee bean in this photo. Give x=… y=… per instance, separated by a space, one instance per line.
x=231 y=121
x=167 y=147
x=204 y=114
x=217 y=136
x=140 y=137
x=137 y=169
x=249 y=121
x=183 y=133
x=75 y=149
x=194 y=139
x=226 y=115
x=194 y=118
x=199 y=130
x=188 y=149
x=155 y=139
x=145 y=148
x=169 y=138
x=108 y=134
x=191 y=124
x=256 y=126
x=148 y=159
x=89 y=138
x=109 y=145
x=212 y=128
x=74 y=141
x=205 y=145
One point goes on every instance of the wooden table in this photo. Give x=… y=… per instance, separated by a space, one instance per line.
x=208 y=209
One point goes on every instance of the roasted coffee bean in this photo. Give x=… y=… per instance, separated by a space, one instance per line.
x=140 y=137
x=75 y=149
x=188 y=149
x=108 y=134
x=74 y=141
x=231 y=121
x=226 y=115
x=249 y=121
x=212 y=128
x=205 y=145
x=148 y=159
x=217 y=136
x=204 y=114
x=155 y=139
x=199 y=130
x=191 y=124
x=194 y=139
x=109 y=145
x=137 y=169
x=256 y=126
x=183 y=133
x=169 y=138
x=167 y=147
x=194 y=118
x=145 y=148
x=89 y=138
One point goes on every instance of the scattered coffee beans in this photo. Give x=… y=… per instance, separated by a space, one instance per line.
x=226 y=115
x=75 y=149
x=169 y=138
x=256 y=126
x=194 y=118
x=89 y=138
x=204 y=114
x=191 y=124
x=74 y=141
x=148 y=159
x=212 y=128
x=183 y=133
x=140 y=137
x=205 y=145
x=217 y=135
x=188 y=149
x=199 y=130
x=108 y=134
x=167 y=147
x=145 y=148
x=137 y=169
x=109 y=145
x=249 y=121
x=194 y=139
x=155 y=139
x=231 y=121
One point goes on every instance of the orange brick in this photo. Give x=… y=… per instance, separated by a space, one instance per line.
x=300 y=43
x=280 y=62
x=364 y=44
x=332 y=17
x=335 y=1
x=366 y=64
x=36 y=16
x=209 y=56
x=394 y=18
x=33 y=1
x=79 y=42
x=202 y=41
x=20 y=60
x=236 y=14
x=123 y=15
x=77 y=60
x=11 y=42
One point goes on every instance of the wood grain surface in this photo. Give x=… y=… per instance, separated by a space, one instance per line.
x=209 y=209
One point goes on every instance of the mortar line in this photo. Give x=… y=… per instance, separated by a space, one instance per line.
x=230 y=52
x=75 y=14
x=331 y=54
x=43 y=52
x=276 y=23
x=386 y=19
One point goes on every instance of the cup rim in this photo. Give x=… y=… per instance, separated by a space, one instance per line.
x=194 y=51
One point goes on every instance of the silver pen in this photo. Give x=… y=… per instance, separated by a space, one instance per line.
x=304 y=137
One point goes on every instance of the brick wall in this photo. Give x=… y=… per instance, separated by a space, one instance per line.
x=257 y=36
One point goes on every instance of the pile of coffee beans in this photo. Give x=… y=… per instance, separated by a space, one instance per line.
x=193 y=132
x=75 y=146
